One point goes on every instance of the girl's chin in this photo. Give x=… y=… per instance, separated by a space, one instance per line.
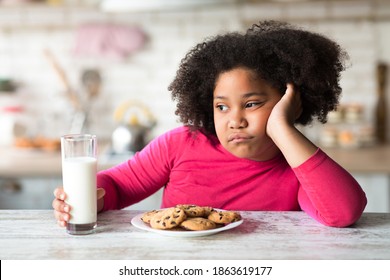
x=251 y=155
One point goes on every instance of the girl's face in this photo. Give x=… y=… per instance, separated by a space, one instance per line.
x=242 y=104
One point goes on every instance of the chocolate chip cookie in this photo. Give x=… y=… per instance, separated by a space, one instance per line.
x=207 y=210
x=192 y=210
x=198 y=223
x=224 y=217
x=168 y=218
x=147 y=216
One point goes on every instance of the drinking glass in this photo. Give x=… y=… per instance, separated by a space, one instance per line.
x=79 y=167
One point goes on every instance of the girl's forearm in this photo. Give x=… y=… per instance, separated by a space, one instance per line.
x=295 y=147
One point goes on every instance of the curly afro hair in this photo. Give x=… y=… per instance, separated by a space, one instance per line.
x=275 y=51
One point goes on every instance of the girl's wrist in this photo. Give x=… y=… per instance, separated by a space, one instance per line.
x=278 y=131
x=100 y=199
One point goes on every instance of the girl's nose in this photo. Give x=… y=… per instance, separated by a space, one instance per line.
x=237 y=120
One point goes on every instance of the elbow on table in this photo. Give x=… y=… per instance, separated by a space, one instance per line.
x=340 y=222
x=343 y=218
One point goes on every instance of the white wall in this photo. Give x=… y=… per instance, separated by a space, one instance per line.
x=377 y=189
x=146 y=74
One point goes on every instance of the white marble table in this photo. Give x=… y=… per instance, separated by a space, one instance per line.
x=34 y=234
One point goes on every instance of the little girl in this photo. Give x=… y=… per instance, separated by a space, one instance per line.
x=239 y=97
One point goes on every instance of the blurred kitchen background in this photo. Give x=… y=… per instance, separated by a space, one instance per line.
x=103 y=67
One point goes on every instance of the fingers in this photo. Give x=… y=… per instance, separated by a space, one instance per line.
x=60 y=206
x=59 y=193
x=294 y=97
x=62 y=218
x=61 y=209
x=292 y=93
x=290 y=88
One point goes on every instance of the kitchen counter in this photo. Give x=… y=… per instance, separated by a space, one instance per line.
x=23 y=163
x=34 y=234
x=19 y=162
x=374 y=159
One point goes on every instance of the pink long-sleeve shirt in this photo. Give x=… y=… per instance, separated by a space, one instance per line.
x=198 y=170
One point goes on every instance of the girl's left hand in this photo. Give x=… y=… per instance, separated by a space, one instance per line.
x=285 y=112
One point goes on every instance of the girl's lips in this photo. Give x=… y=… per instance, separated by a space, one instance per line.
x=238 y=137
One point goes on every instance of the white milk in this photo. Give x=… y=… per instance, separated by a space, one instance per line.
x=79 y=179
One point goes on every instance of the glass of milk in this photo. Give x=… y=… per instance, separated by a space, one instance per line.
x=79 y=167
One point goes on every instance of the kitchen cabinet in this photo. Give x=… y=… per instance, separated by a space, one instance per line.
x=28 y=178
x=27 y=193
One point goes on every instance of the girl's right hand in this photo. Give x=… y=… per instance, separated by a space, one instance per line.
x=62 y=210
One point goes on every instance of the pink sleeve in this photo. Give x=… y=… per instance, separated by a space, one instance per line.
x=137 y=178
x=328 y=192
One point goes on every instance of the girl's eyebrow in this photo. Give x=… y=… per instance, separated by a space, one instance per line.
x=246 y=95
x=251 y=94
x=220 y=97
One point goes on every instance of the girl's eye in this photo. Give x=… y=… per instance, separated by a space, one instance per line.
x=222 y=107
x=252 y=104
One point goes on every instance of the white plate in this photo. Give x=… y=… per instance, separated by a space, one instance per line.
x=138 y=223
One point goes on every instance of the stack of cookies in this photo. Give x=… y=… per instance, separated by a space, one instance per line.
x=189 y=217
